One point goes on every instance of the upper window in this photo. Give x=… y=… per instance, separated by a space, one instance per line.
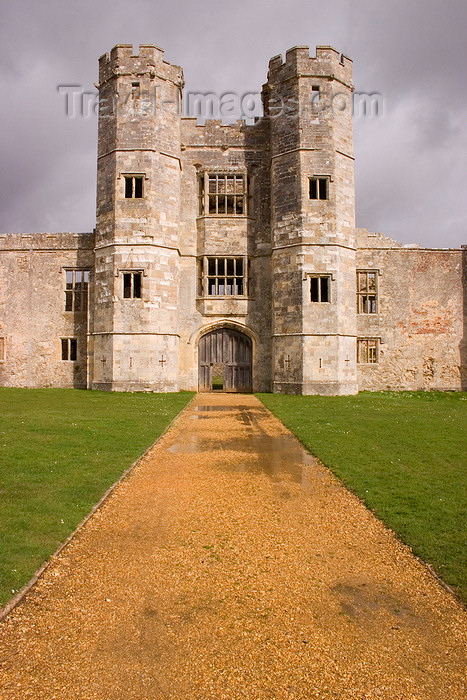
x=223 y=276
x=319 y=188
x=368 y=350
x=314 y=97
x=76 y=290
x=320 y=288
x=133 y=186
x=132 y=285
x=223 y=193
x=367 y=291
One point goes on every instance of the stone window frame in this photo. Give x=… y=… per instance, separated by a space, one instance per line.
x=69 y=349
x=367 y=297
x=76 y=292
x=308 y=276
x=130 y=288
x=211 y=275
x=209 y=195
x=315 y=183
x=316 y=88
x=128 y=192
x=2 y=348
x=368 y=350
x=319 y=288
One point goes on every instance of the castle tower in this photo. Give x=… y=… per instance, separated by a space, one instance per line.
x=134 y=321
x=308 y=102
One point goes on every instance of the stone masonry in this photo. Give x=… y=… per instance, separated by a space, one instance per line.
x=225 y=256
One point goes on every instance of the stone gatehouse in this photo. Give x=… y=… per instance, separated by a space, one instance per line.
x=225 y=257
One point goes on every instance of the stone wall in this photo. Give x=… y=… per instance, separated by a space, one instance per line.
x=33 y=319
x=421 y=302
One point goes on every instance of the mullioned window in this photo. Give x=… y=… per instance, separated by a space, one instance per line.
x=76 y=290
x=223 y=276
x=367 y=291
x=223 y=194
x=368 y=351
x=69 y=349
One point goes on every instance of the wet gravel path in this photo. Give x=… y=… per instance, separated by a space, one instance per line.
x=231 y=565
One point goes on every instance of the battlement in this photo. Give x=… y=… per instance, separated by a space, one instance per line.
x=215 y=133
x=148 y=61
x=46 y=241
x=327 y=63
x=370 y=239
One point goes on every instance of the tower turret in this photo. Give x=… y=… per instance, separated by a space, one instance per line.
x=134 y=324
x=308 y=102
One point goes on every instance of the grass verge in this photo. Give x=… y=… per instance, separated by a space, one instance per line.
x=404 y=455
x=60 y=449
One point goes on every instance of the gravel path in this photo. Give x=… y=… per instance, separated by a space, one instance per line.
x=231 y=565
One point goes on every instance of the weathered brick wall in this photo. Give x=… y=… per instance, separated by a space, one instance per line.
x=32 y=309
x=421 y=301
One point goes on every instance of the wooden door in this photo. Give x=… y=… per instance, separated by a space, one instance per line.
x=224 y=361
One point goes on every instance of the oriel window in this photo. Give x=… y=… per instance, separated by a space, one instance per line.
x=223 y=194
x=224 y=276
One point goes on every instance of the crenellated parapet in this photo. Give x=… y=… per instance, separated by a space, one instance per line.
x=215 y=133
x=46 y=241
x=149 y=62
x=328 y=63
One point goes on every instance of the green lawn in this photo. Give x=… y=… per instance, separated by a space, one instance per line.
x=404 y=455
x=60 y=449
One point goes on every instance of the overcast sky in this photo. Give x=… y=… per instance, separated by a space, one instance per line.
x=410 y=162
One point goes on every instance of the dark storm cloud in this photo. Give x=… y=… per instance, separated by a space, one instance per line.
x=410 y=171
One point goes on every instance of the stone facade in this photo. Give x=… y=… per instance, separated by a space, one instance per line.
x=33 y=320
x=421 y=315
x=238 y=235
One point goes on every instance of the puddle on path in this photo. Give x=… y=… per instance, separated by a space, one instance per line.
x=367 y=599
x=213 y=408
x=274 y=455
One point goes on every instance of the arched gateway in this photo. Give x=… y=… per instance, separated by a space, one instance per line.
x=224 y=361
